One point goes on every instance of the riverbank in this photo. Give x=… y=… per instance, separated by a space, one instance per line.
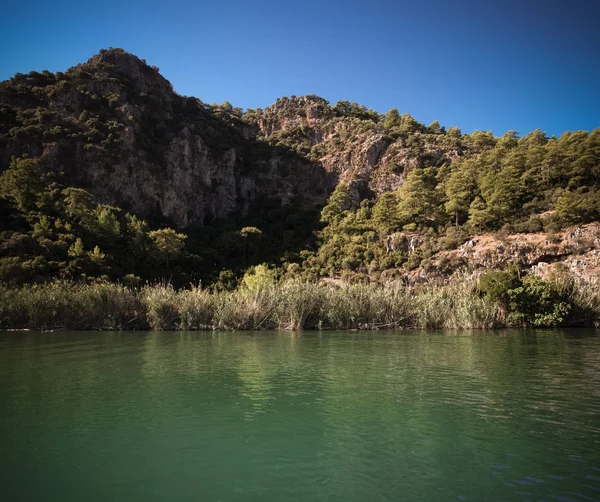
x=466 y=303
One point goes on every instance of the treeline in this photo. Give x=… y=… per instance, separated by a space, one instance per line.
x=52 y=231
x=450 y=185
x=507 y=185
x=530 y=184
x=49 y=231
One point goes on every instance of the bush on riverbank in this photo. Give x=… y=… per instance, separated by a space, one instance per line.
x=530 y=300
x=465 y=303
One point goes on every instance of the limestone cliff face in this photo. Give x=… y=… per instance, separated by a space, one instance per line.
x=576 y=250
x=358 y=152
x=114 y=126
x=190 y=184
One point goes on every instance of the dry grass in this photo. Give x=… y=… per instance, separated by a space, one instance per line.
x=291 y=305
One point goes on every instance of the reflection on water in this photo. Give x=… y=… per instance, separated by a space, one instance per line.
x=268 y=416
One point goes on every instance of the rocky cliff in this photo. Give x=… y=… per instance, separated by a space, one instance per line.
x=115 y=127
x=575 y=250
x=353 y=144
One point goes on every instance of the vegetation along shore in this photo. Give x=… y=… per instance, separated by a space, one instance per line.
x=496 y=299
x=118 y=197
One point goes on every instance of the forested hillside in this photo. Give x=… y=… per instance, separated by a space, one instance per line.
x=107 y=172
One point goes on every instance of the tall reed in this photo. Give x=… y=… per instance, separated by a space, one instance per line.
x=290 y=305
x=455 y=305
x=67 y=305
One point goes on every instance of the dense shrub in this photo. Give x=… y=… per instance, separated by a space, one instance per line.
x=529 y=300
x=496 y=284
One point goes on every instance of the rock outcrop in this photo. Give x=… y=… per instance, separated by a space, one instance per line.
x=114 y=126
x=576 y=250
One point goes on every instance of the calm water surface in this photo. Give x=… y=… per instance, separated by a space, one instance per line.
x=500 y=416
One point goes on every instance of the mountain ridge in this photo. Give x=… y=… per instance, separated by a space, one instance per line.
x=114 y=127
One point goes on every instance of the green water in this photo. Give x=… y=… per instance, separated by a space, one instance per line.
x=500 y=416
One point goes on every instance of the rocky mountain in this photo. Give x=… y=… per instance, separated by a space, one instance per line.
x=313 y=188
x=115 y=126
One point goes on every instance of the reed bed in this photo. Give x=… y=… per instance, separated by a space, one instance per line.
x=290 y=305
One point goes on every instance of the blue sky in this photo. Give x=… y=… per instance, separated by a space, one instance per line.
x=496 y=65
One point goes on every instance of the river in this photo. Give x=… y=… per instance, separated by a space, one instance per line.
x=332 y=416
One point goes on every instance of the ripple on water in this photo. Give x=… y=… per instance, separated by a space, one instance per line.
x=337 y=416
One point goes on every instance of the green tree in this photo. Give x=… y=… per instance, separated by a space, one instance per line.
x=409 y=125
x=42 y=229
x=504 y=193
x=416 y=198
x=454 y=132
x=479 y=216
x=339 y=202
x=342 y=108
x=460 y=188
x=480 y=141
x=79 y=205
x=96 y=256
x=578 y=207
x=585 y=170
x=23 y=183
x=167 y=244
x=346 y=109
x=227 y=106
x=259 y=277
x=385 y=213
x=108 y=223
x=248 y=233
x=435 y=128
x=76 y=249
x=392 y=118
x=137 y=231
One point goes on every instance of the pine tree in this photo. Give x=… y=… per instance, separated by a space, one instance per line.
x=392 y=118
x=505 y=200
x=168 y=244
x=339 y=202
x=460 y=188
x=385 y=213
x=479 y=216
x=76 y=249
x=416 y=200
x=22 y=183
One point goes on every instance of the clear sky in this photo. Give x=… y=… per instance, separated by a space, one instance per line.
x=475 y=64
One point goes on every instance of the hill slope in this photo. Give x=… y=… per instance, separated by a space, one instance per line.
x=90 y=153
